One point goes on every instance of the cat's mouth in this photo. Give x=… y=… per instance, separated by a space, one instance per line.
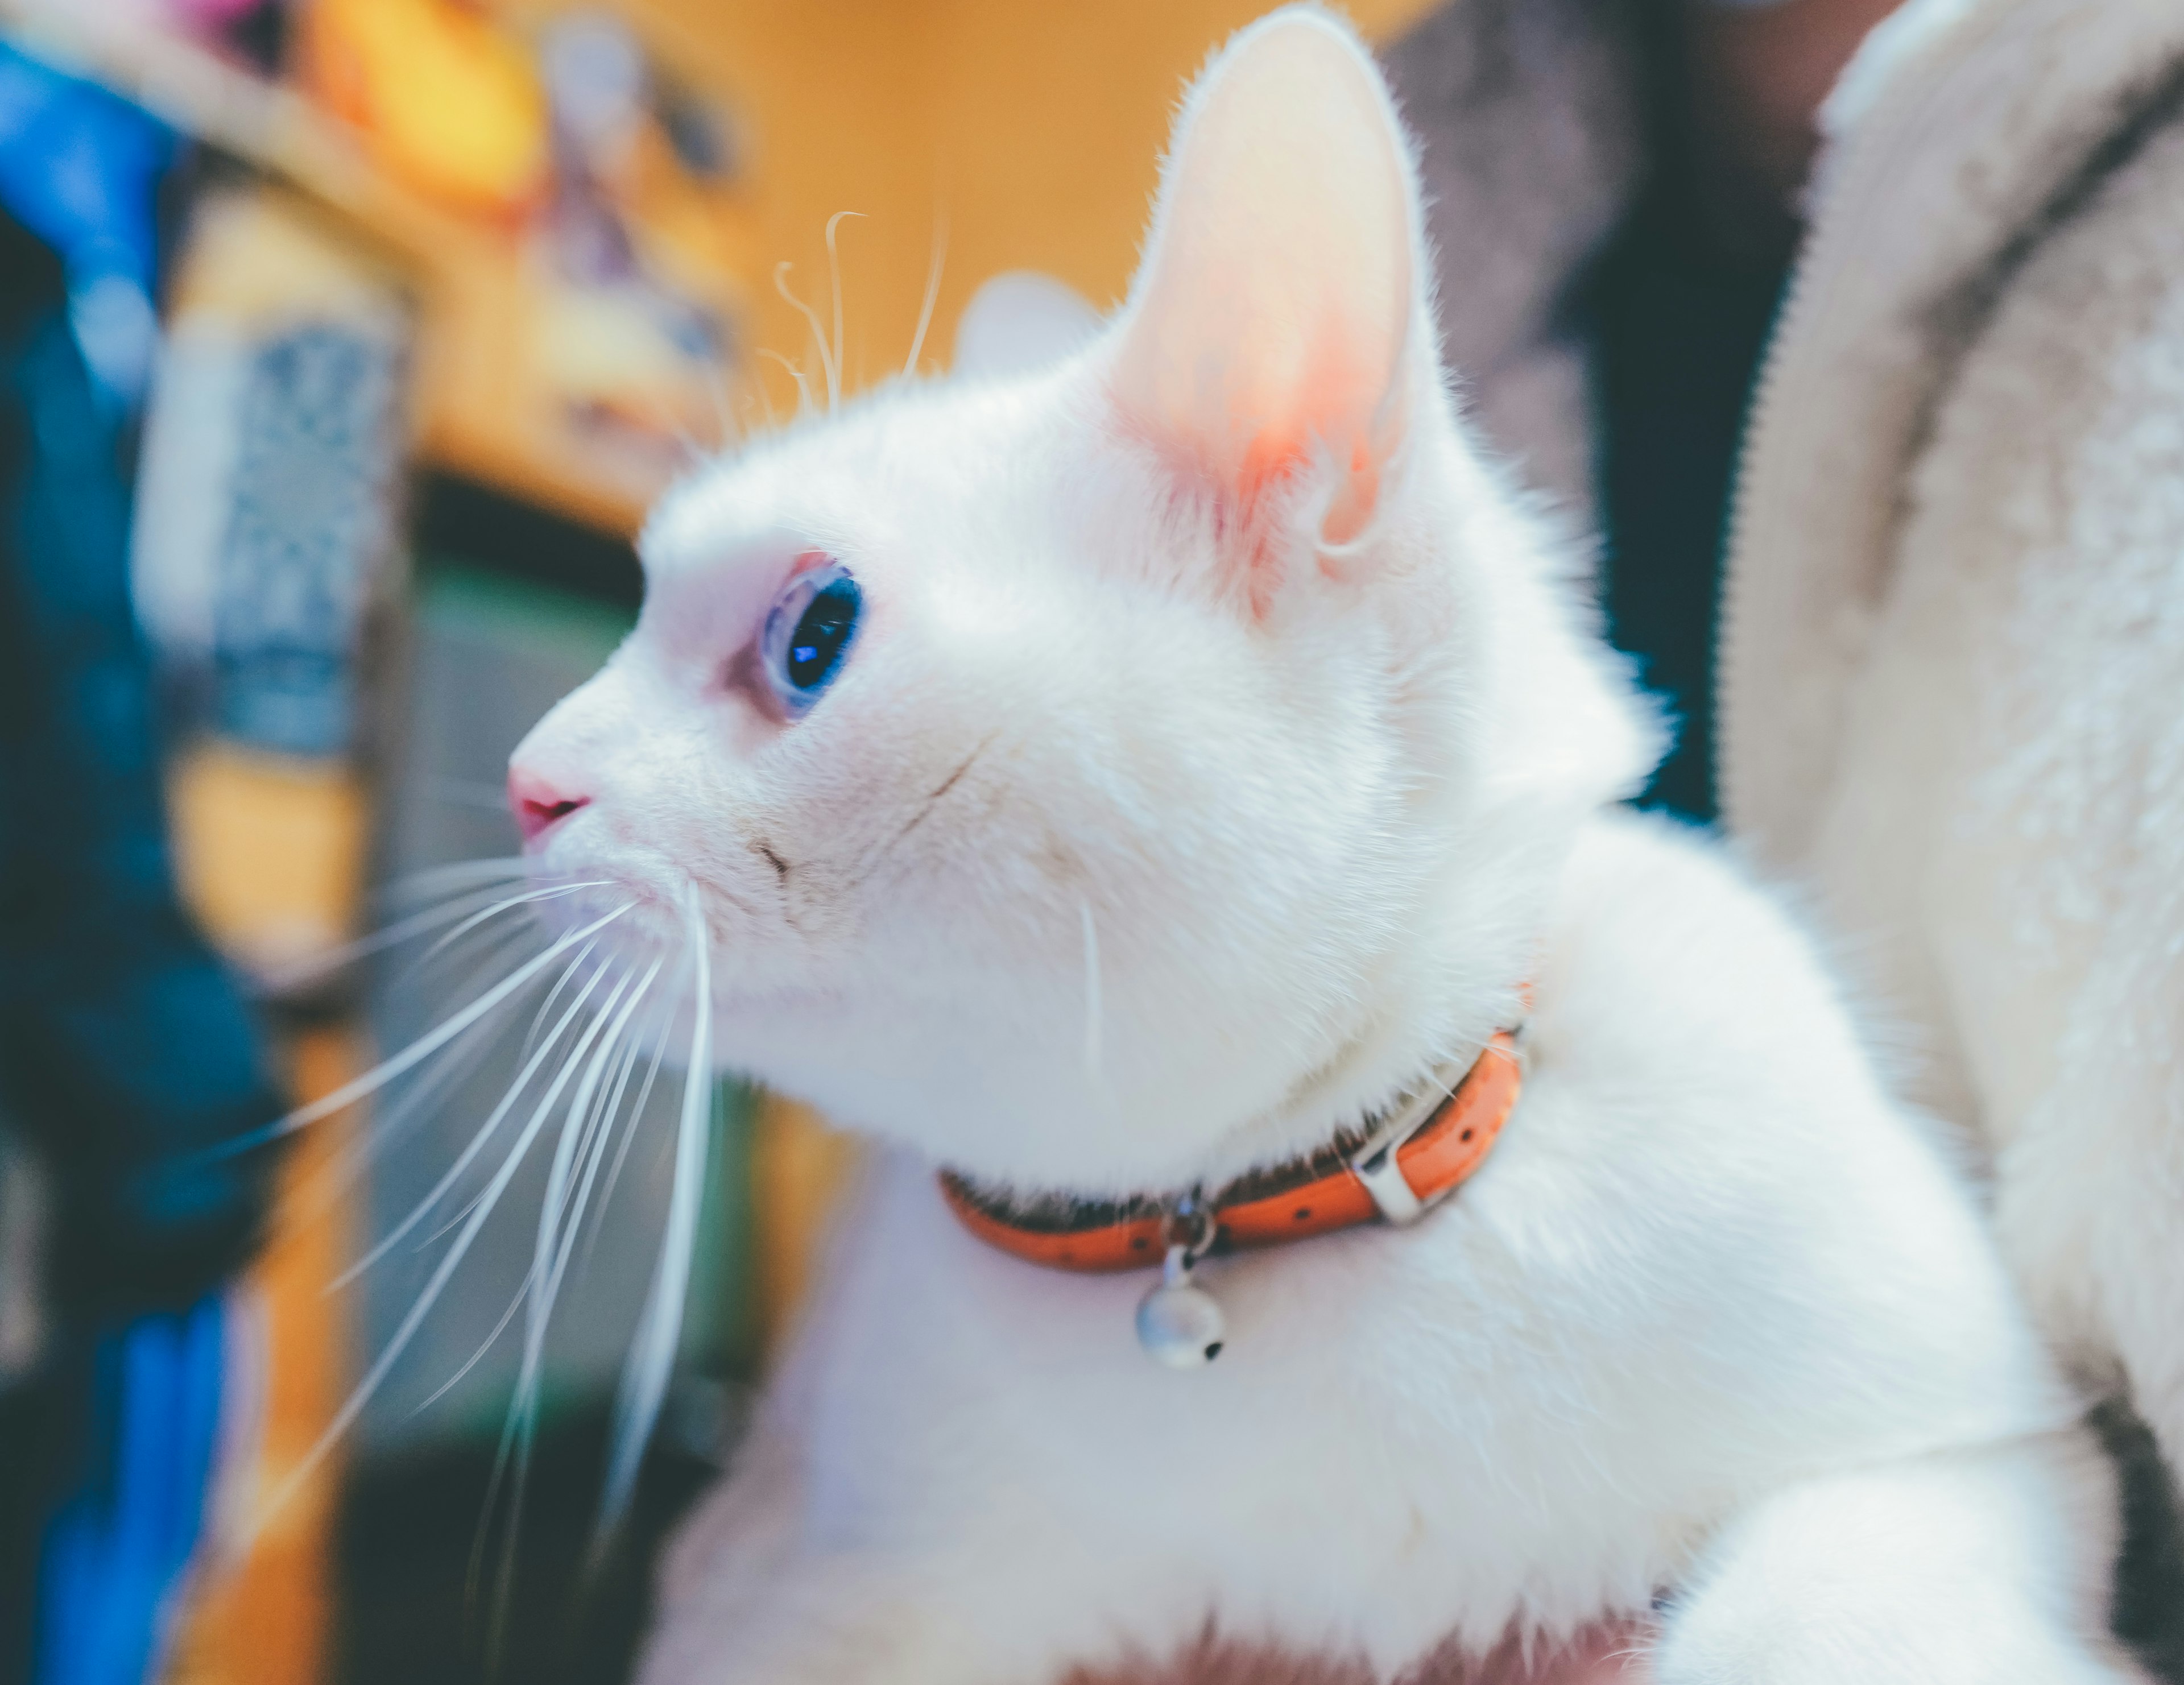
x=645 y=905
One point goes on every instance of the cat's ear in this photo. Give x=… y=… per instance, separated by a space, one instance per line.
x=1274 y=319
x=1021 y=321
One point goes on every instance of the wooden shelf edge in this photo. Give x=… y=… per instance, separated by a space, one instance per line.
x=278 y=131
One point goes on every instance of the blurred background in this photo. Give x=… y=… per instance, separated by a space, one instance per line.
x=345 y=344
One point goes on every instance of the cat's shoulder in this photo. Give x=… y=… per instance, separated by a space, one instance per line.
x=1663 y=937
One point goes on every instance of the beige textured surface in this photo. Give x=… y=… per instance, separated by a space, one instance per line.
x=1954 y=695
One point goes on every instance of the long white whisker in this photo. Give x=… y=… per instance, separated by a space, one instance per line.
x=834 y=284
x=1094 y=1019
x=560 y=1213
x=431 y=880
x=413 y=1319
x=796 y=374
x=597 y=1130
x=628 y=1137
x=387 y=1127
x=553 y=1206
x=632 y=1050
x=652 y=1356
x=818 y=329
x=542 y=1284
x=469 y=1155
x=546 y=1006
x=507 y=1316
x=552 y=893
x=491 y=952
x=530 y=1042
x=932 y=293
x=543 y=1280
x=426 y=1045
x=598 y=1136
x=324 y=964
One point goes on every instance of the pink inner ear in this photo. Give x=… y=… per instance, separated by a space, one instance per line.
x=1243 y=477
x=1249 y=445
x=1270 y=335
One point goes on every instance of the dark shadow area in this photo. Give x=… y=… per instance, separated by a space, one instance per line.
x=1679 y=311
x=2149 y=1591
x=458 y=517
x=403 y=1545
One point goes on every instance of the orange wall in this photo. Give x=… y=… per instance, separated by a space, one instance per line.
x=1033 y=126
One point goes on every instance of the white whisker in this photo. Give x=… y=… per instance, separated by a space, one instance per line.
x=796 y=374
x=463 y=1160
x=834 y=284
x=628 y=1137
x=553 y=1207
x=431 y=880
x=413 y=1319
x=318 y=965
x=490 y=955
x=818 y=329
x=476 y=1356
x=553 y=893
x=932 y=293
x=546 y=1006
x=599 y=1130
x=426 y=1045
x=652 y=1356
x=328 y=1183
x=543 y=1280
x=1095 y=1016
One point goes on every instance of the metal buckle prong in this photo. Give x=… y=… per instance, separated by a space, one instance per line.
x=1373 y=1160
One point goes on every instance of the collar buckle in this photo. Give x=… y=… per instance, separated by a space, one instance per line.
x=1373 y=1160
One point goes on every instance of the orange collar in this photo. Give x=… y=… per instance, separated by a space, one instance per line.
x=1410 y=1160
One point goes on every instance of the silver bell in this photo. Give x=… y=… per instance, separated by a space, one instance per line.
x=1180 y=1325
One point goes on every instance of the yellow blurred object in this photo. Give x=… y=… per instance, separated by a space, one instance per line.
x=798 y=1168
x=444 y=98
x=269 y=852
x=261 y=1609
x=258 y=254
x=610 y=356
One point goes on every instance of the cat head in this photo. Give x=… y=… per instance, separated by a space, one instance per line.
x=1094 y=772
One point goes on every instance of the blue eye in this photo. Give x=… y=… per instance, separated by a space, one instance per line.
x=808 y=633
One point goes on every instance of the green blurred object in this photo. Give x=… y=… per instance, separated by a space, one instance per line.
x=489 y=653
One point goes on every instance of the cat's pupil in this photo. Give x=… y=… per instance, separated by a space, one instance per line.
x=821 y=633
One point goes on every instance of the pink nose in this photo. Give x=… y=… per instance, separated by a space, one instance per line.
x=538 y=807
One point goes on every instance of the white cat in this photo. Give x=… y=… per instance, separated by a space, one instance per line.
x=1107 y=780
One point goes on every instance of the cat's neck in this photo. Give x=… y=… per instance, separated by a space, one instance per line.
x=1406 y=1045
x=1004 y=1116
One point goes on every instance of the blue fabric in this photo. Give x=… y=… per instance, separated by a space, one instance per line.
x=114 y=1554
x=125 y=1048
x=80 y=169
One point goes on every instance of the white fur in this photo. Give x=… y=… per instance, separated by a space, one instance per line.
x=1290 y=792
